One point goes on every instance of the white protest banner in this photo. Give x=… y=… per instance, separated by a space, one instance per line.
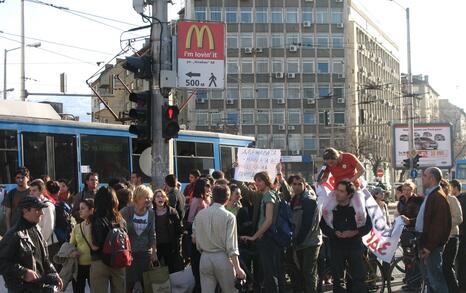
x=251 y=161
x=384 y=247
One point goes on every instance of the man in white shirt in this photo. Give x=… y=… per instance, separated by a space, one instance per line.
x=216 y=238
x=47 y=221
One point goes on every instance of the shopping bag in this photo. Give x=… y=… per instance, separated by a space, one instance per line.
x=182 y=281
x=156 y=280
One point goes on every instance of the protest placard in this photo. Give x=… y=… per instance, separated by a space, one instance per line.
x=251 y=161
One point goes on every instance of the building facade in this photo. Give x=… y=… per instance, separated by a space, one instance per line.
x=426 y=99
x=457 y=117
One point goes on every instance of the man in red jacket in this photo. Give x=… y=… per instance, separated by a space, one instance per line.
x=433 y=223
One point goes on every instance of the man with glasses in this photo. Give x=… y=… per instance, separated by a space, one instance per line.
x=12 y=199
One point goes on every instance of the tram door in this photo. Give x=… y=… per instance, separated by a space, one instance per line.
x=51 y=154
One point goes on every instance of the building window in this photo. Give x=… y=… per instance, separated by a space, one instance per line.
x=337 y=42
x=338 y=91
x=307 y=15
x=307 y=42
x=262 y=66
x=232 y=118
x=202 y=118
x=215 y=14
x=338 y=66
x=232 y=66
x=232 y=93
x=292 y=15
x=292 y=39
x=262 y=92
x=336 y=16
x=262 y=141
x=294 y=117
x=231 y=16
x=277 y=15
x=277 y=91
x=247 y=92
x=246 y=66
x=310 y=143
x=261 y=15
x=216 y=95
x=216 y=118
x=292 y=66
x=247 y=118
x=308 y=92
x=232 y=41
x=339 y=118
x=293 y=92
x=246 y=41
x=309 y=118
x=201 y=94
x=324 y=91
x=322 y=118
x=322 y=41
x=277 y=65
x=277 y=41
x=246 y=15
x=278 y=117
x=322 y=15
x=262 y=117
x=262 y=41
x=279 y=141
x=322 y=67
x=295 y=142
x=200 y=13
x=308 y=66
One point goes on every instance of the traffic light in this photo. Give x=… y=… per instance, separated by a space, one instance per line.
x=406 y=163
x=416 y=161
x=141 y=67
x=326 y=118
x=141 y=115
x=170 y=126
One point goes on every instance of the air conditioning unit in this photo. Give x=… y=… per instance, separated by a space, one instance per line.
x=341 y=100
x=311 y=101
x=291 y=127
x=220 y=127
x=308 y=0
x=340 y=25
x=248 y=50
x=200 y=100
x=307 y=24
x=281 y=127
x=340 y=75
x=296 y=152
x=281 y=101
x=230 y=102
x=339 y=1
x=259 y=50
x=279 y=74
x=293 y=48
x=291 y=75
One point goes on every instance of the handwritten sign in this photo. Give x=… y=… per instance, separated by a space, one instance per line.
x=252 y=161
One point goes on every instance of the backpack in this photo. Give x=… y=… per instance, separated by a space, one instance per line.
x=117 y=248
x=281 y=230
x=63 y=224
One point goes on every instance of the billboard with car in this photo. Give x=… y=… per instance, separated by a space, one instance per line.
x=432 y=142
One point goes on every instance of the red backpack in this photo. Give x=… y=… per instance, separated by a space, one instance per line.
x=117 y=248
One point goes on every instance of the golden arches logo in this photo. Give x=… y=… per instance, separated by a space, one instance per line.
x=200 y=36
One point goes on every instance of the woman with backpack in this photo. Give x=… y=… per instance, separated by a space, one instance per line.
x=140 y=221
x=106 y=219
x=168 y=229
x=82 y=238
x=265 y=202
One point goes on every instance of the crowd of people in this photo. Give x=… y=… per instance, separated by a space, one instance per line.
x=226 y=230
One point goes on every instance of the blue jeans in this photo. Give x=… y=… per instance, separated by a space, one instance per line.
x=431 y=269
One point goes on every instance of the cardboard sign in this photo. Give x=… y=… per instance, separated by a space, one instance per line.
x=252 y=161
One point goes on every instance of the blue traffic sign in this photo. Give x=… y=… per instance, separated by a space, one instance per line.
x=413 y=173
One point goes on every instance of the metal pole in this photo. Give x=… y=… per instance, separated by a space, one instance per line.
x=410 y=93
x=4 y=74
x=22 y=90
x=161 y=59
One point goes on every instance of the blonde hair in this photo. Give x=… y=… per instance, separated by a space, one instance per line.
x=410 y=184
x=142 y=191
x=164 y=195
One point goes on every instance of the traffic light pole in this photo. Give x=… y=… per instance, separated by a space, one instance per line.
x=161 y=57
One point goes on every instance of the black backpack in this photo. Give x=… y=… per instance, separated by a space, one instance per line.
x=63 y=224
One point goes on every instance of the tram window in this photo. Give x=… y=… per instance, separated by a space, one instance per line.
x=227 y=154
x=187 y=164
x=196 y=149
x=108 y=156
x=35 y=153
x=204 y=149
x=66 y=160
x=8 y=156
x=193 y=155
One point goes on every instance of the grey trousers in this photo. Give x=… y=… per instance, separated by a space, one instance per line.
x=216 y=268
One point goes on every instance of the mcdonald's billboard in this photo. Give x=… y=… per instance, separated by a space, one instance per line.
x=201 y=54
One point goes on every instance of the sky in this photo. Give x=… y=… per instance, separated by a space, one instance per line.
x=437 y=46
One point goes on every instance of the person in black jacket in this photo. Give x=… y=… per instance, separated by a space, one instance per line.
x=345 y=240
x=24 y=259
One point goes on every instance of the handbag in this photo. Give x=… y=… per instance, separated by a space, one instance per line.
x=156 y=280
x=182 y=281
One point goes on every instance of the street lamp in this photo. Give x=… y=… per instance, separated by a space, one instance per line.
x=33 y=45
